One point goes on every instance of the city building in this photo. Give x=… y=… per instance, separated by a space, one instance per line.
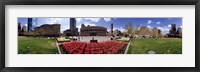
x=19 y=28
x=173 y=32
x=30 y=24
x=73 y=31
x=111 y=29
x=93 y=30
x=48 y=30
x=72 y=23
x=179 y=32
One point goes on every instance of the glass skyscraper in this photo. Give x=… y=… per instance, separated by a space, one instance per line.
x=30 y=24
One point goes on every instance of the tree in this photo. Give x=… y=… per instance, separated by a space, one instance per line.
x=129 y=28
x=137 y=29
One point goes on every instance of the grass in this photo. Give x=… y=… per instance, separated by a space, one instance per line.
x=29 y=45
x=160 y=46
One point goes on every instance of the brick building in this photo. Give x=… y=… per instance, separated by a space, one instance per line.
x=93 y=30
x=48 y=30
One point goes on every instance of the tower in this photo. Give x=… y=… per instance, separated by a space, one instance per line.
x=72 y=23
x=179 y=30
x=30 y=24
x=82 y=25
x=19 y=26
x=111 y=29
x=173 y=29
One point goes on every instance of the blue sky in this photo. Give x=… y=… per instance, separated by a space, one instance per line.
x=161 y=23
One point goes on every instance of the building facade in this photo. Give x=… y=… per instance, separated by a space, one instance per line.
x=30 y=24
x=179 y=32
x=48 y=30
x=73 y=31
x=92 y=30
x=173 y=32
x=111 y=29
x=173 y=29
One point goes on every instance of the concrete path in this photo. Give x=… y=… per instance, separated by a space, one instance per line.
x=99 y=38
x=57 y=44
x=126 y=51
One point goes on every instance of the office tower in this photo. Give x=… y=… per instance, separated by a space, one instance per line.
x=30 y=24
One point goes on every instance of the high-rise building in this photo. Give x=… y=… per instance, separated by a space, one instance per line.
x=72 y=23
x=111 y=29
x=173 y=32
x=30 y=24
x=173 y=29
x=19 y=26
x=179 y=30
x=82 y=26
x=73 y=31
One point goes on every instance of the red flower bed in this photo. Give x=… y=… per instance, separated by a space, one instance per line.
x=110 y=47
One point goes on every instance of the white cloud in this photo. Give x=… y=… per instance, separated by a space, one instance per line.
x=118 y=28
x=107 y=19
x=169 y=25
x=63 y=28
x=164 y=29
x=35 y=24
x=149 y=21
x=93 y=19
x=122 y=29
x=53 y=20
x=149 y=26
x=158 y=22
x=79 y=19
x=26 y=25
x=181 y=26
x=86 y=24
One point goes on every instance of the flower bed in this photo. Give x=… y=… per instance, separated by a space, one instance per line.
x=62 y=39
x=110 y=47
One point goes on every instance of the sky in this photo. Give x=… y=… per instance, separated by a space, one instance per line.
x=163 y=24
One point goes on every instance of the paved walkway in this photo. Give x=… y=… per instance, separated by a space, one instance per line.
x=127 y=47
x=99 y=38
x=59 y=49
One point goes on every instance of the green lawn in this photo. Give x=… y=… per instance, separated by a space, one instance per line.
x=160 y=46
x=29 y=45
